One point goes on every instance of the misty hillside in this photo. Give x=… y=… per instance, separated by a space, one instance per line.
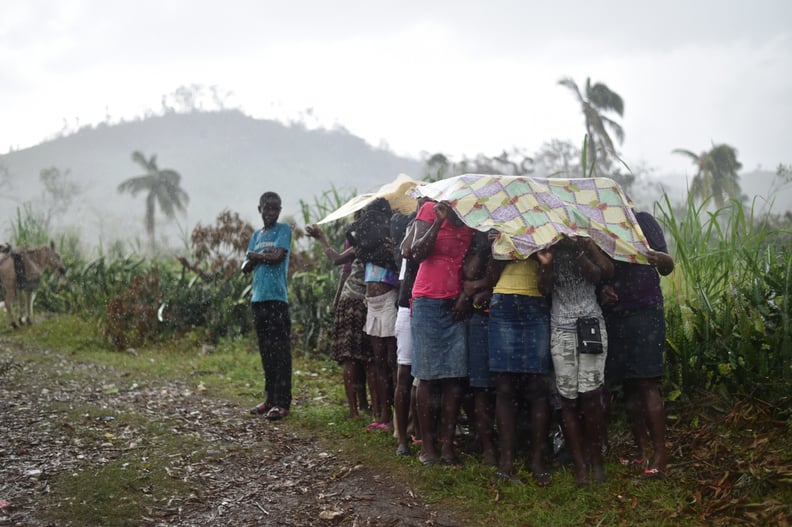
x=226 y=160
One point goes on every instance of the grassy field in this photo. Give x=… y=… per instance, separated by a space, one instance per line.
x=731 y=464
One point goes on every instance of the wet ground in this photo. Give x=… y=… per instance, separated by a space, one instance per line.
x=260 y=473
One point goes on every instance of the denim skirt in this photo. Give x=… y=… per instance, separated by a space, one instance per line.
x=519 y=334
x=439 y=341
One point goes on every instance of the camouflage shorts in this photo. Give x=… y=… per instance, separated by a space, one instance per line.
x=576 y=372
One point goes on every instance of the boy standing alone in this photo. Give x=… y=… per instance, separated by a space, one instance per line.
x=268 y=259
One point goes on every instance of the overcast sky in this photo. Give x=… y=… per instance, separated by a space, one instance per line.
x=460 y=77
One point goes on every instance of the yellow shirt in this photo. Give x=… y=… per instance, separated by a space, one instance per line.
x=519 y=277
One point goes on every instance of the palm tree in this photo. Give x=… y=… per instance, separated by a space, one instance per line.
x=162 y=187
x=716 y=174
x=598 y=99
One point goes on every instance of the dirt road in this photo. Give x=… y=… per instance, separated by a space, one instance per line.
x=254 y=472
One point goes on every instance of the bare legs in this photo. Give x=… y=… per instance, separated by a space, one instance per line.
x=646 y=413
x=540 y=417
x=483 y=410
x=584 y=437
x=449 y=392
x=355 y=386
x=594 y=431
x=401 y=403
x=505 y=411
x=384 y=349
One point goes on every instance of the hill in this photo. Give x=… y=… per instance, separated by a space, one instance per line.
x=226 y=160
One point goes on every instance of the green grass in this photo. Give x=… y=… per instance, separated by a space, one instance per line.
x=131 y=485
x=232 y=371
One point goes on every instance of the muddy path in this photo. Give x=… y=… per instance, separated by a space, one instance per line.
x=251 y=471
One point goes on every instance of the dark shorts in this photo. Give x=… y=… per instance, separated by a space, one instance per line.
x=519 y=334
x=478 y=351
x=635 y=344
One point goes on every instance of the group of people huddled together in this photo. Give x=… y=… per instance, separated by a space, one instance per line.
x=427 y=318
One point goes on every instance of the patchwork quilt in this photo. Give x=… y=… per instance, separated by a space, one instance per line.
x=532 y=214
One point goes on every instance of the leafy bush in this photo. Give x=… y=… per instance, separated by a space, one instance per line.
x=220 y=305
x=728 y=303
x=311 y=308
x=88 y=287
x=132 y=314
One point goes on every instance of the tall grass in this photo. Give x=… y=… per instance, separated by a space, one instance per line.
x=728 y=302
x=313 y=287
x=29 y=228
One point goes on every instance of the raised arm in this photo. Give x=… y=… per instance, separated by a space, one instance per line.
x=426 y=233
x=314 y=231
x=594 y=264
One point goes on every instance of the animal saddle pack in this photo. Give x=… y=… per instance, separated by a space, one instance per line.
x=22 y=280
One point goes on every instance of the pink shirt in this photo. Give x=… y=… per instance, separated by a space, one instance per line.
x=440 y=274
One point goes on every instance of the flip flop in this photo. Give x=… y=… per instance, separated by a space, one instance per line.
x=652 y=473
x=261 y=409
x=639 y=463
x=374 y=427
x=276 y=413
x=428 y=461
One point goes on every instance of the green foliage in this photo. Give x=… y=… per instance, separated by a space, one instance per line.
x=313 y=285
x=728 y=304
x=89 y=286
x=311 y=296
x=30 y=228
x=219 y=305
x=132 y=314
x=322 y=206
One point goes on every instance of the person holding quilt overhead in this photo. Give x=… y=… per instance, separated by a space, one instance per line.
x=578 y=346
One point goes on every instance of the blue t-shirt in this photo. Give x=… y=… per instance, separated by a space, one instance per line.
x=269 y=280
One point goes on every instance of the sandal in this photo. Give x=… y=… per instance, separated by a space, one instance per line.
x=373 y=427
x=261 y=409
x=428 y=461
x=640 y=462
x=403 y=451
x=652 y=473
x=276 y=413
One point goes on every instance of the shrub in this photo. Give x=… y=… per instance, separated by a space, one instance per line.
x=728 y=303
x=132 y=315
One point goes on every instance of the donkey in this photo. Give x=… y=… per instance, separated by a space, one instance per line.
x=20 y=272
